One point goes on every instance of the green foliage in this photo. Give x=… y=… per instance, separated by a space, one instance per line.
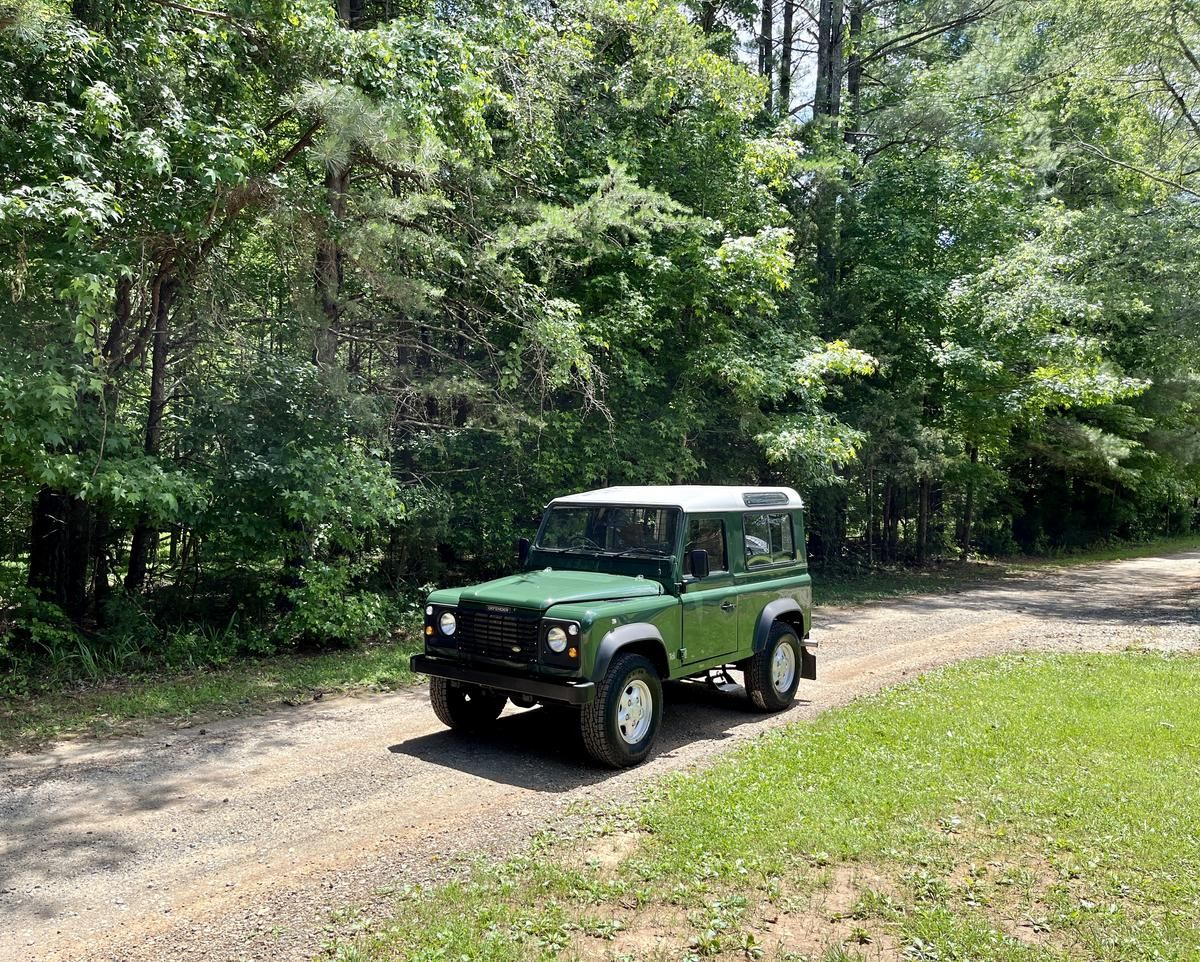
x=300 y=315
x=327 y=609
x=41 y=625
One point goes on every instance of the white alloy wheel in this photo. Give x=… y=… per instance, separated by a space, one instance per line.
x=783 y=667
x=635 y=711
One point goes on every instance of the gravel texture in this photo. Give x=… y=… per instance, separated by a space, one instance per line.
x=244 y=839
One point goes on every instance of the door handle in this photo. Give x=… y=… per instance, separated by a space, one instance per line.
x=727 y=606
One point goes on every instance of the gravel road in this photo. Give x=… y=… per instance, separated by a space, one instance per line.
x=240 y=840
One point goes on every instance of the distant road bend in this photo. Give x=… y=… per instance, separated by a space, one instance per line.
x=239 y=840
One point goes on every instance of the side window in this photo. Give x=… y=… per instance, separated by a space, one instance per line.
x=709 y=534
x=769 y=539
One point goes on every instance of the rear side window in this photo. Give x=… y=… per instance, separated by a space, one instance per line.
x=768 y=539
x=709 y=534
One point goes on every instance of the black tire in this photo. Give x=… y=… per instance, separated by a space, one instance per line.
x=600 y=722
x=465 y=707
x=760 y=683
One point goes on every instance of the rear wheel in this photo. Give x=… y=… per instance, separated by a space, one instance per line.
x=773 y=674
x=619 y=726
x=464 y=707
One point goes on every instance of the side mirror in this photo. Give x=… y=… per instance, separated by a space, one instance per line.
x=698 y=561
x=522 y=550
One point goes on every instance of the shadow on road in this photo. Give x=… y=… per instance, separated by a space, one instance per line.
x=1091 y=595
x=80 y=833
x=540 y=749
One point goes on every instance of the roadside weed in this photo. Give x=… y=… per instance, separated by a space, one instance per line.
x=246 y=687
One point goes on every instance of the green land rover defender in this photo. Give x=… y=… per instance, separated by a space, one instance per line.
x=622 y=589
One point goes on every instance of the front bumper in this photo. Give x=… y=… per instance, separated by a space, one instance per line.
x=569 y=692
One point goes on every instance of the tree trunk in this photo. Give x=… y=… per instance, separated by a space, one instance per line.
x=870 y=515
x=893 y=529
x=828 y=270
x=766 y=54
x=787 y=42
x=937 y=521
x=101 y=537
x=854 y=72
x=826 y=107
x=145 y=536
x=708 y=17
x=328 y=267
x=885 y=540
x=923 y=521
x=828 y=98
x=834 y=545
x=969 y=505
x=59 y=550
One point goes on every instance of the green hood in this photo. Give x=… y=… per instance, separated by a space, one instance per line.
x=542 y=589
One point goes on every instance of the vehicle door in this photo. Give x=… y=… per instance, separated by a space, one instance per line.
x=710 y=604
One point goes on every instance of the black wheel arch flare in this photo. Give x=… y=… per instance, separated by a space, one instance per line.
x=788 y=610
x=645 y=639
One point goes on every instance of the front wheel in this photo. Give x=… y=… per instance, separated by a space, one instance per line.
x=619 y=726
x=773 y=674
x=464 y=707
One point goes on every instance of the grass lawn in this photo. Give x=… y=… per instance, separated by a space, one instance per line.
x=1026 y=808
x=244 y=687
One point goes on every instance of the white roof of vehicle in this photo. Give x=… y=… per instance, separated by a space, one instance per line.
x=690 y=497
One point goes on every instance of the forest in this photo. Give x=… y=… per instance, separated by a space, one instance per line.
x=306 y=305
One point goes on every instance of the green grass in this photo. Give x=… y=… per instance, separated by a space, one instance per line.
x=126 y=705
x=1009 y=810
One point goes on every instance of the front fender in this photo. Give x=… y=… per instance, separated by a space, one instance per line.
x=639 y=633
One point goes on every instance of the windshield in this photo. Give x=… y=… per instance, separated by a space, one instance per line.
x=632 y=531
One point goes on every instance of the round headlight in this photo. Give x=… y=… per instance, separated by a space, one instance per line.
x=447 y=623
x=556 y=638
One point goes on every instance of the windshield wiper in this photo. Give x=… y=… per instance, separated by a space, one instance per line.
x=602 y=553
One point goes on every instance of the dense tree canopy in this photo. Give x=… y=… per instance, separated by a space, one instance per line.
x=307 y=303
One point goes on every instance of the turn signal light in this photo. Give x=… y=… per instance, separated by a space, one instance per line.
x=429 y=629
x=572 y=653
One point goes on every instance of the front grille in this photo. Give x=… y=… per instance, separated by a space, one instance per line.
x=493 y=634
